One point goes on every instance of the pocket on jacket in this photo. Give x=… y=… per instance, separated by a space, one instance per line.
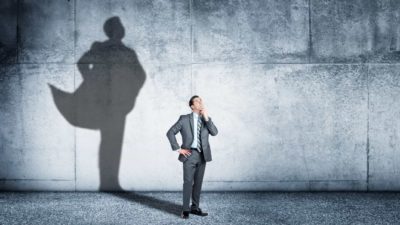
x=182 y=158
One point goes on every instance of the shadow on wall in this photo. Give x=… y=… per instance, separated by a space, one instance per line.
x=112 y=78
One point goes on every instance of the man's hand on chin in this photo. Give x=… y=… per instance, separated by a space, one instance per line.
x=204 y=113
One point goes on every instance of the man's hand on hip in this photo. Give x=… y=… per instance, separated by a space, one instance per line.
x=185 y=152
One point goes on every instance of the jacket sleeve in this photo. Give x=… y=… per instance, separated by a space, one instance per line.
x=172 y=132
x=211 y=127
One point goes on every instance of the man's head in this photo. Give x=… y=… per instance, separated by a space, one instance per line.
x=196 y=103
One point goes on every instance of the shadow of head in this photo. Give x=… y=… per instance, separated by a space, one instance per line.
x=113 y=28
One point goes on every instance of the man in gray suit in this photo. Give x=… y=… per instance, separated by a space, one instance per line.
x=194 y=152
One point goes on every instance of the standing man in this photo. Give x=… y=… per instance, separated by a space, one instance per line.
x=194 y=152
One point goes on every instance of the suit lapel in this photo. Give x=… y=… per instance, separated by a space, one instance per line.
x=202 y=122
x=191 y=123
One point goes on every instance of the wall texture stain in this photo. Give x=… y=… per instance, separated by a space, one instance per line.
x=304 y=93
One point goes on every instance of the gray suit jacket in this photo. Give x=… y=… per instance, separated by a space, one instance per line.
x=185 y=125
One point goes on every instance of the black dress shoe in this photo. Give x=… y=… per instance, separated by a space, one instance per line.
x=198 y=212
x=185 y=214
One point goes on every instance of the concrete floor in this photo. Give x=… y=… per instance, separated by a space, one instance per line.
x=224 y=208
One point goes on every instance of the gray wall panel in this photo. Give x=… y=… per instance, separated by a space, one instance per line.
x=303 y=92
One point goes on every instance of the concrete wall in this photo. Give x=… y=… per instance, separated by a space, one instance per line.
x=304 y=93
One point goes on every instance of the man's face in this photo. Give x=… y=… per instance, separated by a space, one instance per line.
x=197 y=104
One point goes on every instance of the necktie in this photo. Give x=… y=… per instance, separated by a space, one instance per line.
x=198 y=134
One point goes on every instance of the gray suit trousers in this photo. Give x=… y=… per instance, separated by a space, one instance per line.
x=193 y=173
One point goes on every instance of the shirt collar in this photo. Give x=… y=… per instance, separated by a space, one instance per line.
x=195 y=114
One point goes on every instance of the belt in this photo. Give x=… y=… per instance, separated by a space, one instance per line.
x=195 y=149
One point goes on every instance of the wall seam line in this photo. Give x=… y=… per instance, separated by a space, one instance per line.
x=309 y=33
x=191 y=45
x=18 y=31
x=368 y=148
x=74 y=63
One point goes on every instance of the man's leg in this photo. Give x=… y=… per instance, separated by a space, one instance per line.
x=189 y=168
x=198 y=181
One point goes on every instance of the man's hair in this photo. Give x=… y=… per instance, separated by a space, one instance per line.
x=191 y=100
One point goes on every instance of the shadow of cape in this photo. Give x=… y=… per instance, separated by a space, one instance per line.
x=112 y=78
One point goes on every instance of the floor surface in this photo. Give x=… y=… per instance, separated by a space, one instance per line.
x=223 y=207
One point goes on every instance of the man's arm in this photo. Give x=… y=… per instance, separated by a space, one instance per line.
x=209 y=124
x=172 y=132
x=211 y=127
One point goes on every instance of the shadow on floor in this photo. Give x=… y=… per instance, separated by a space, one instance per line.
x=162 y=205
